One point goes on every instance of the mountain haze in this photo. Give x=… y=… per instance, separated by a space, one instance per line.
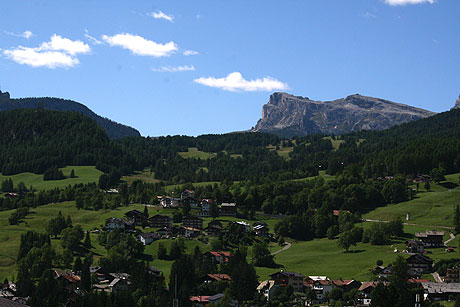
x=289 y=115
x=113 y=129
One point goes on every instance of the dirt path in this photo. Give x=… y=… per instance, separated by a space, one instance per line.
x=287 y=246
x=452 y=236
x=436 y=277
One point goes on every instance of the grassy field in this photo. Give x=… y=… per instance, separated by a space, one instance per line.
x=37 y=220
x=435 y=207
x=146 y=176
x=324 y=257
x=335 y=143
x=193 y=152
x=171 y=187
x=85 y=174
x=322 y=173
x=282 y=151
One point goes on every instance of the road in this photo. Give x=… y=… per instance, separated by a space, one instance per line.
x=288 y=245
x=452 y=236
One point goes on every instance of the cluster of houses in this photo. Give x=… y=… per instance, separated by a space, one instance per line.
x=9 y=297
x=191 y=226
x=322 y=285
x=418 y=264
x=187 y=198
x=102 y=281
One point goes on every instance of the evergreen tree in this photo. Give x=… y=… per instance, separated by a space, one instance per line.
x=214 y=210
x=182 y=279
x=68 y=222
x=146 y=212
x=427 y=185
x=261 y=255
x=72 y=174
x=77 y=266
x=85 y=273
x=87 y=242
x=49 y=292
x=457 y=219
x=162 y=253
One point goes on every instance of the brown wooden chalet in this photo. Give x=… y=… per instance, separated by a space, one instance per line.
x=216 y=277
x=70 y=280
x=452 y=275
x=135 y=216
x=228 y=209
x=415 y=246
x=346 y=284
x=160 y=221
x=193 y=221
x=420 y=263
x=431 y=238
x=288 y=278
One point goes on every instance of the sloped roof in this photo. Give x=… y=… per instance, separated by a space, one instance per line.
x=218 y=277
x=8 y=303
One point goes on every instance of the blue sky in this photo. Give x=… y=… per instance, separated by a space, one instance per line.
x=195 y=67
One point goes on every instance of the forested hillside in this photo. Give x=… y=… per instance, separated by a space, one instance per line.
x=409 y=149
x=114 y=130
x=36 y=140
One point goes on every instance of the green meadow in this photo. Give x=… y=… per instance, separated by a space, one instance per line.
x=193 y=152
x=84 y=174
x=430 y=208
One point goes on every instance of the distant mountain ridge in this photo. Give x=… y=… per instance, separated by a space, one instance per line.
x=113 y=129
x=288 y=115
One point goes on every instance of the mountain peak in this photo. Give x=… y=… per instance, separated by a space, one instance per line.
x=457 y=103
x=290 y=115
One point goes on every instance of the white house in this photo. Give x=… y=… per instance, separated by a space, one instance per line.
x=114 y=223
x=147 y=238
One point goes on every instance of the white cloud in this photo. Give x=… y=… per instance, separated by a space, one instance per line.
x=190 y=52
x=58 y=52
x=140 y=46
x=161 y=15
x=235 y=82
x=369 y=15
x=406 y=2
x=93 y=40
x=59 y=43
x=26 y=34
x=34 y=58
x=174 y=68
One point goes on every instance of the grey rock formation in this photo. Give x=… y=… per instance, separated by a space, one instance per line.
x=4 y=96
x=289 y=115
x=457 y=103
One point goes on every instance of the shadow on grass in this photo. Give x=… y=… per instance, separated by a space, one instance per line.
x=355 y=251
x=448 y=185
x=146 y=257
x=406 y=236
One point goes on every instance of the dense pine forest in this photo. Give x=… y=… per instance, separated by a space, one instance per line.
x=37 y=140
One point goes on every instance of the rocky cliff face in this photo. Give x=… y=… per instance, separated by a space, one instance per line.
x=289 y=115
x=457 y=103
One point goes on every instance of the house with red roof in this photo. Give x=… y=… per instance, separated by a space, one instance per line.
x=219 y=257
